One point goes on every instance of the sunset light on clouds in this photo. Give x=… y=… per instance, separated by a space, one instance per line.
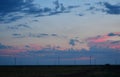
x=69 y=29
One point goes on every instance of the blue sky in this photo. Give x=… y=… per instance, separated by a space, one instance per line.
x=51 y=28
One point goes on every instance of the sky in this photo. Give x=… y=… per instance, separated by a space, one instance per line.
x=59 y=32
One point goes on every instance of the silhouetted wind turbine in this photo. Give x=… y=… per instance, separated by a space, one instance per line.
x=15 y=60
x=90 y=60
x=58 y=59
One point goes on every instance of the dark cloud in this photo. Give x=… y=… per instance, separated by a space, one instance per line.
x=27 y=7
x=27 y=46
x=36 y=20
x=95 y=9
x=91 y=8
x=112 y=9
x=113 y=34
x=11 y=19
x=73 y=6
x=54 y=13
x=73 y=42
x=62 y=7
x=81 y=14
x=57 y=5
x=5 y=46
x=8 y=6
x=18 y=35
x=13 y=6
x=44 y=34
x=39 y=35
x=54 y=35
x=88 y=4
x=105 y=7
x=46 y=9
x=115 y=42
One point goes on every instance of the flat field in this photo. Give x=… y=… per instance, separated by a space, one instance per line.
x=61 y=71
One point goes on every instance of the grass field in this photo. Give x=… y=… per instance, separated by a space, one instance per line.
x=60 y=71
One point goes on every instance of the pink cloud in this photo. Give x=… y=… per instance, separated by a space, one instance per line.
x=99 y=39
x=11 y=51
x=105 y=41
x=103 y=38
x=20 y=48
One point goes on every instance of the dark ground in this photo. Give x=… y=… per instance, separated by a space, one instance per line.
x=61 y=71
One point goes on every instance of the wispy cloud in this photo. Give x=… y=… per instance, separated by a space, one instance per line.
x=35 y=35
x=19 y=27
x=39 y=35
x=23 y=25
